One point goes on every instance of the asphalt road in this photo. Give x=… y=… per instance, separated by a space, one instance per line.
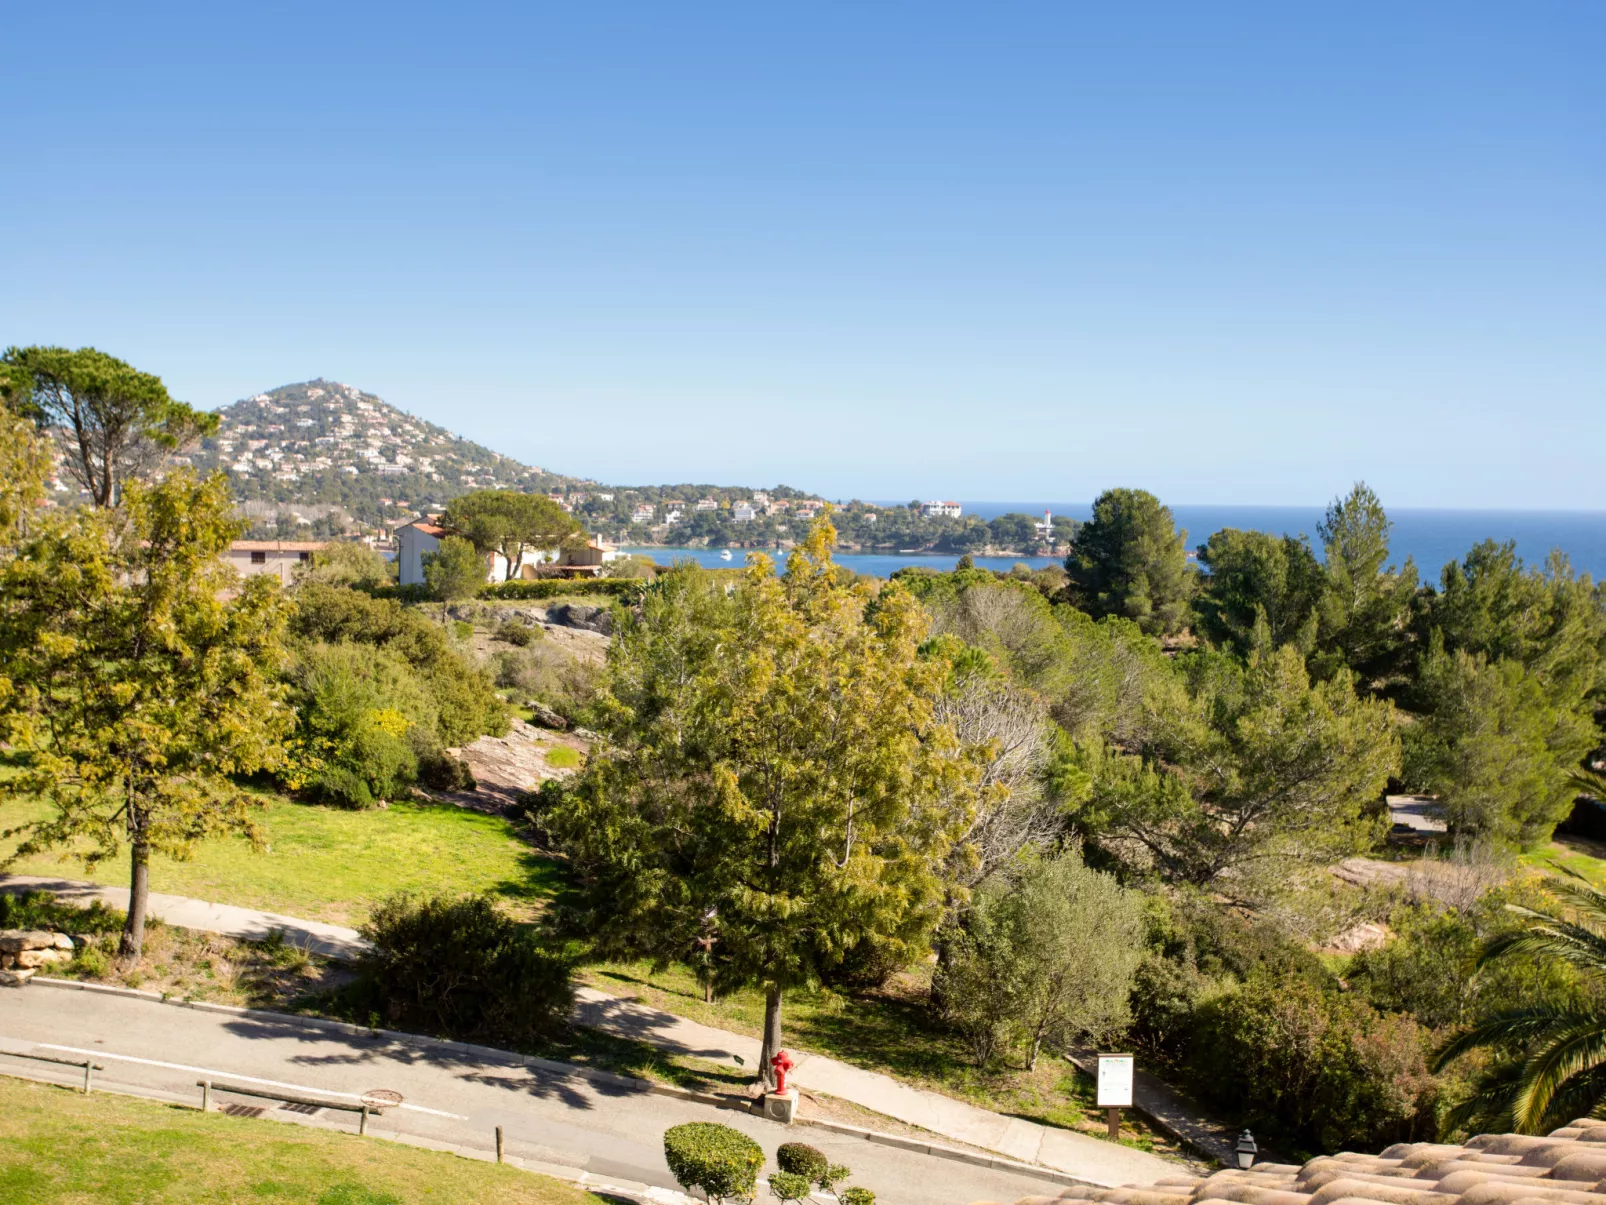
x=449 y=1096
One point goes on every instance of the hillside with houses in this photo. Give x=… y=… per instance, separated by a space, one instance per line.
x=324 y=453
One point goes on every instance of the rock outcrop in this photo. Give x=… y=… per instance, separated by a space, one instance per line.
x=24 y=951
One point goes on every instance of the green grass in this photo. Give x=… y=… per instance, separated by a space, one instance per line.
x=561 y=757
x=57 y=1147
x=1578 y=854
x=332 y=865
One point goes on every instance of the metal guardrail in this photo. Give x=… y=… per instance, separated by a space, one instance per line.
x=363 y=1110
x=89 y=1068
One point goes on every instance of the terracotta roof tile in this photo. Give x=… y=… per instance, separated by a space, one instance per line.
x=1564 y=1167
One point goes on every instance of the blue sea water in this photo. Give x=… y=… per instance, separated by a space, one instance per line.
x=1431 y=538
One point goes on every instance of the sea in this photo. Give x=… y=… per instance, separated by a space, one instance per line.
x=1431 y=538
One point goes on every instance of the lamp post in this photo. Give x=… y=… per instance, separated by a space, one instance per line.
x=1247 y=1150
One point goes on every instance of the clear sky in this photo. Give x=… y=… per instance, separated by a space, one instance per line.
x=1230 y=252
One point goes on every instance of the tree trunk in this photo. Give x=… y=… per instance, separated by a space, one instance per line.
x=1037 y=1046
x=772 y=1035
x=139 y=890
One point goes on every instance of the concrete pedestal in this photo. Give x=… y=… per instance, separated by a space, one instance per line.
x=781 y=1106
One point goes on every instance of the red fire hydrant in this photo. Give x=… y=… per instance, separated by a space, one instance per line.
x=782 y=1062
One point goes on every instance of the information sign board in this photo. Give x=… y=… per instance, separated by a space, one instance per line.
x=1115 y=1081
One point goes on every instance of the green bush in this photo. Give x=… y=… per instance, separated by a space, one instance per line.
x=458 y=968
x=519 y=634
x=461 y=700
x=801 y=1159
x=789 y=1186
x=440 y=771
x=1316 y=1070
x=558 y=587
x=858 y=1196
x=723 y=1162
x=462 y=629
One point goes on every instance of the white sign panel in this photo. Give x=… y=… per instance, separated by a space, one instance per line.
x=1115 y=1081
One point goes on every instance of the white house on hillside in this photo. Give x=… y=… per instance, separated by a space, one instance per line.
x=420 y=536
x=932 y=510
x=278 y=557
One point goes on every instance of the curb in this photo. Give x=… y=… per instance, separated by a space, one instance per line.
x=938 y=1150
x=512 y=1058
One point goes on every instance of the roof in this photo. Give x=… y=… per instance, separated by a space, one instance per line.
x=429 y=529
x=278 y=545
x=1565 y=1167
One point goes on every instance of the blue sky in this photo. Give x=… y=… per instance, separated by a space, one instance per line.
x=1231 y=252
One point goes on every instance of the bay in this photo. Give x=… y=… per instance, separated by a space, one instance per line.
x=1430 y=537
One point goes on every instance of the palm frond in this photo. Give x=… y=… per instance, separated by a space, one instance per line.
x=1566 y=1052
x=1549 y=937
x=1514 y=1029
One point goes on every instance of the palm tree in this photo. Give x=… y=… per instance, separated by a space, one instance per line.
x=1550 y=1063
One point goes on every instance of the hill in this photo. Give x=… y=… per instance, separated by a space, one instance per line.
x=320 y=448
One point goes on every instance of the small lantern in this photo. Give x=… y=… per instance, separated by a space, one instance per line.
x=1247 y=1150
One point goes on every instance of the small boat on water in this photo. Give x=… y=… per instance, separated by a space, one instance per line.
x=725 y=554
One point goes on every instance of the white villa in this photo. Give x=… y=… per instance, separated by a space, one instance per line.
x=932 y=510
x=278 y=557
x=414 y=539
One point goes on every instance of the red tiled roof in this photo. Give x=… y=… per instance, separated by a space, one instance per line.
x=278 y=545
x=1565 y=1167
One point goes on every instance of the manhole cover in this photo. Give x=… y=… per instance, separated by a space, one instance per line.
x=381 y=1098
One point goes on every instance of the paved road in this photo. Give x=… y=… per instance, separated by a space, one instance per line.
x=450 y=1096
x=1087 y=1158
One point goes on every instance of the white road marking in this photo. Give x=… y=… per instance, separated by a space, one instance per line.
x=252 y=1079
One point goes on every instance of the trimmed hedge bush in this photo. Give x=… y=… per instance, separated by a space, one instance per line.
x=557 y=587
x=801 y=1159
x=858 y=1196
x=723 y=1162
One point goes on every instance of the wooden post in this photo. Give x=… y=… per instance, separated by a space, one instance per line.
x=206 y=1095
x=499 y=1144
x=362 y=1121
x=88 y=1070
x=1113 y=1118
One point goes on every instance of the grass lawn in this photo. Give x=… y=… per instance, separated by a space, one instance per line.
x=1579 y=854
x=888 y=1031
x=329 y=864
x=58 y=1147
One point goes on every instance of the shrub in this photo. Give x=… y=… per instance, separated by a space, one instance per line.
x=1315 y=1069
x=801 y=1159
x=551 y=675
x=460 y=969
x=858 y=1196
x=440 y=771
x=721 y=1161
x=518 y=634
x=556 y=588
x=789 y=1186
x=462 y=629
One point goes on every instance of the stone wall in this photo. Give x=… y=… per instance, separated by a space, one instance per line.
x=24 y=951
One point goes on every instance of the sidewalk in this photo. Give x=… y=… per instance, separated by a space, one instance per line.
x=1079 y=1155
x=246 y=923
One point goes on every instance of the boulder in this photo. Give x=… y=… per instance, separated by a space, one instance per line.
x=577 y=615
x=15 y=978
x=63 y=942
x=545 y=717
x=13 y=941
x=31 y=959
